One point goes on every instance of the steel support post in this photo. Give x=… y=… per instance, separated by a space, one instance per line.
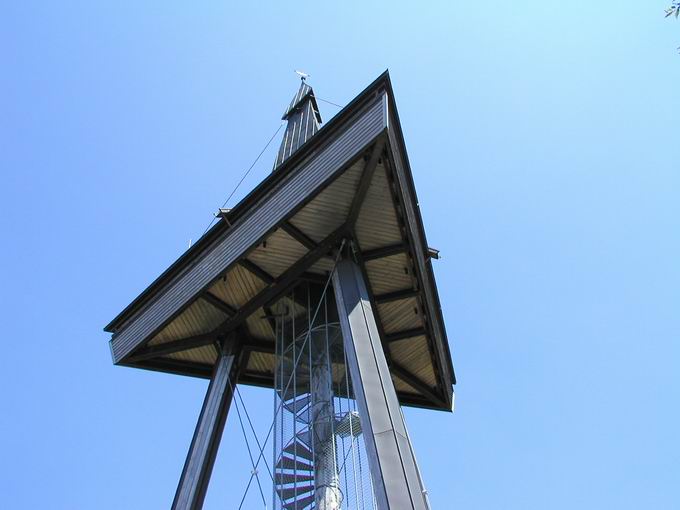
x=203 y=450
x=394 y=472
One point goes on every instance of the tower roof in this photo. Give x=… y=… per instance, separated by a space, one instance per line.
x=351 y=181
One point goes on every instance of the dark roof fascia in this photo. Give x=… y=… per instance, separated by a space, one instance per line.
x=437 y=314
x=204 y=243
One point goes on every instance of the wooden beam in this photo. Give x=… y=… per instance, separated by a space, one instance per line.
x=365 y=182
x=314 y=277
x=416 y=383
x=183 y=344
x=298 y=235
x=155 y=351
x=258 y=345
x=408 y=333
x=172 y=366
x=271 y=319
x=263 y=380
x=397 y=295
x=257 y=271
x=283 y=283
x=219 y=304
x=243 y=361
x=384 y=251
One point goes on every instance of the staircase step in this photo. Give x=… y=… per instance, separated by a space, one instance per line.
x=305 y=437
x=288 y=463
x=299 y=504
x=295 y=491
x=299 y=449
x=300 y=387
x=348 y=425
x=298 y=405
x=286 y=478
x=303 y=416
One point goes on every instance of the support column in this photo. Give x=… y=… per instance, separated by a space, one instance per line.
x=393 y=467
x=203 y=450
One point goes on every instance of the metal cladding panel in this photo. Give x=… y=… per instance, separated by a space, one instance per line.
x=237 y=286
x=201 y=317
x=400 y=315
x=277 y=253
x=414 y=355
x=389 y=274
x=248 y=230
x=377 y=224
x=328 y=210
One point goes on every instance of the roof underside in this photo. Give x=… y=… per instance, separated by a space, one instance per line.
x=367 y=200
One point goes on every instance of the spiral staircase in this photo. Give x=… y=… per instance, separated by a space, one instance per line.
x=294 y=479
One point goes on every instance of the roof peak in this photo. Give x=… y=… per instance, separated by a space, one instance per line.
x=304 y=93
x=303 y=119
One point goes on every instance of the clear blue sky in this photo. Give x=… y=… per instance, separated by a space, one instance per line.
x=544 y=142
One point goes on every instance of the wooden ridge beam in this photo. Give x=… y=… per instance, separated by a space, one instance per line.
x=252 y=344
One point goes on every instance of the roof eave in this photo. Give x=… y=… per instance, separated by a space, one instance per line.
x=437 y=315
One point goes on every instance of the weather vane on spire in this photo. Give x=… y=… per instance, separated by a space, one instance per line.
x=303 y=76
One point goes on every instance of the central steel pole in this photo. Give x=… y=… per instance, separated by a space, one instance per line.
x=327 y=494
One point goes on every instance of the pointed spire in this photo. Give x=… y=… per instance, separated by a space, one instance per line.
x=303 y=121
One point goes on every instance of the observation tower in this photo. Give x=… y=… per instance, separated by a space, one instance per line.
x=318 y=285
